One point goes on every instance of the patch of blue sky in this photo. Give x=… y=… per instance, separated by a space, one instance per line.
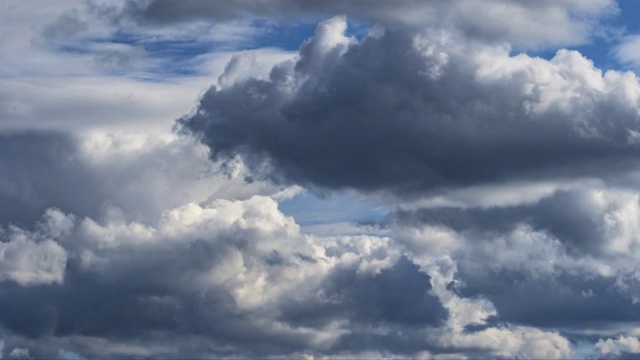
x=597 y=50
x=614 y=29
x=169 y=69
x=289 y=36
x=182 y=54
x=584 y=350
x=286 y=36
x=358 y=29
x=600 y=50
x=309 y=209
x=175 y=50
x=165 y=58
x=69 y=355
x=628 y=17
x=123 y=37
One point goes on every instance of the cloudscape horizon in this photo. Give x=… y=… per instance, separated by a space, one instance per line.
x=319 y=179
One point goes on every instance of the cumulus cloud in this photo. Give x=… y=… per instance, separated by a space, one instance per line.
x=578 y=242
x=520 y=342
x=35 y=258
x=407 y=114
x=616 y=347
x=140 y=175
x=237 y=271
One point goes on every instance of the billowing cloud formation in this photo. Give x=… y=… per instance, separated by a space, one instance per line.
x=427 y=190
x=415 y=113
x=239 y=272
x=227 y=277
x=581 y=243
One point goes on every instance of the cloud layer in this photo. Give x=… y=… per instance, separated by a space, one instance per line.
x=418 y=180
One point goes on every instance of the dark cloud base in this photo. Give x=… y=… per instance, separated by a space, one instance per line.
x=132 y=307
x=368 y=116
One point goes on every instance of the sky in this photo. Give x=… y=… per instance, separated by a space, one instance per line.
x=319 y=179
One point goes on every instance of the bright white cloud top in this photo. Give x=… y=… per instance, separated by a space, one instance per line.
x=338 y=179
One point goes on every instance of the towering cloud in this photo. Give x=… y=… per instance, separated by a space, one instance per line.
x=411 y=113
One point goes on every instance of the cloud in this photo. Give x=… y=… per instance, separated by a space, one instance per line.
x=565 y=23
x=42 y=170
x=520 y=342
x=597 y=221
x=237 y=272
x=616 y=347
x=628 y=51
x=66 y=25
x=139 y=175
x=35 y=258
x=424 y=191
x=405 y=114
x=573 y=251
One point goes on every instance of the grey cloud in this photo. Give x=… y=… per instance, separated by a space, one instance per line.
x=118 y=61
x=151 y=261
x=565 y=262
x=399 y=295
x=530 y=24
x=388 y=114
x=65 y=27
x=576 y=217
x=236 y=273
x=564 y=301
x=41 y=170
x=29 y=258
x=137 y=175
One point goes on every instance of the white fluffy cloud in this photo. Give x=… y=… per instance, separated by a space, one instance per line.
x=520 y=342
x=33 y=258
x=619 y=346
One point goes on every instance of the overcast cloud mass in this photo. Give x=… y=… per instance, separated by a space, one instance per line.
x=319 y=179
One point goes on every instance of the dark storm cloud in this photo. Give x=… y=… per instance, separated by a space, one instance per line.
x=386 y=114
x=136 y=305
x=396 y=300
x=39 y=170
